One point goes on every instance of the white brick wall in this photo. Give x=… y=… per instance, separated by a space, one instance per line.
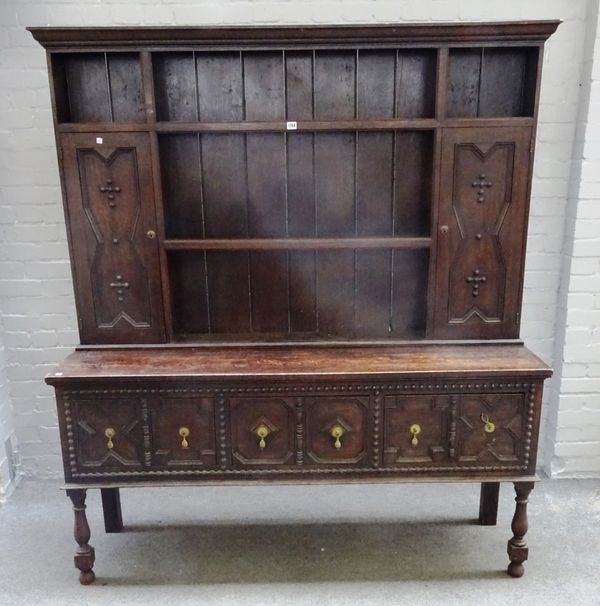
x=35 y=291
x=574 y=424
x=6 y=428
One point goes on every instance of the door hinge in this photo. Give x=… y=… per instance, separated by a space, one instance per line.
x=531 y=142
x=517 y=318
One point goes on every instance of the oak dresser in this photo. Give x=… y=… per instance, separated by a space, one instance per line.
x=298 y=256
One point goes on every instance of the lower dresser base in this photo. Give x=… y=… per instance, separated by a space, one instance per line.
x=158 y=417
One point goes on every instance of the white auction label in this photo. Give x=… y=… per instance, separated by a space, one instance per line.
x=99 y=140
x=292 y=125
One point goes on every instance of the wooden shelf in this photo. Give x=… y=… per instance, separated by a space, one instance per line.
x=297 y=243
x=253 y=126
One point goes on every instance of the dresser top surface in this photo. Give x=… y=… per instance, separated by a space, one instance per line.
x=314 y=361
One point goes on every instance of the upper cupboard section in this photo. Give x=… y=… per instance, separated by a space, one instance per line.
x=295 y=85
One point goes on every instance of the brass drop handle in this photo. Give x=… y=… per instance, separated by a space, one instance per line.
x=488 y=426
x=415 y=430
x=337 y=431
x=262 y=431
x=184 y=432
x=110 y=433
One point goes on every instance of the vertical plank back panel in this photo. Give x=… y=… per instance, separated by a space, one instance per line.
x=229 y=292
x=374 y=184
x=225 y=189
x=125 y=74
x=175 y=86
x=264 y=94
x=182 y=185
x=334 y=162
x=299 y=85
x=413 y=171
x=375 y=84
x=266 y=161
x=335 y=292
x=415 y=94
x=335 y=85
x=87 y=84
x=220 y=86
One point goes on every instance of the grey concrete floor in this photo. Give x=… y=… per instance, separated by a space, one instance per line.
x=327 y=544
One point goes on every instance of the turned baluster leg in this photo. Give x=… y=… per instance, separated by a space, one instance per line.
x=111 y=506
x=488 y=503
x=517 y=548
x=84 y=555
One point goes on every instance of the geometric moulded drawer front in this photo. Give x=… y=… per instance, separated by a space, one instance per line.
x=470 y=430
x=490 y=428
x=233 y=430
x=415 y=430
x=262 y=431
x=182 y=432
x=337 y=430
x=108 y=433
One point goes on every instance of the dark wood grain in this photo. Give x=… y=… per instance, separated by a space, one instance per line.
x=517 y=548
x=175 y=86
x=314 y=35
x=415 y=84
x=297 y=243
x=480 y=265
x=110 y=197
x=265 y=223
x=422 y=360
x=125 y=76
x=85 y=555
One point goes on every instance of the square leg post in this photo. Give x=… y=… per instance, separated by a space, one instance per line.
x=111 y=506
x=488 y=503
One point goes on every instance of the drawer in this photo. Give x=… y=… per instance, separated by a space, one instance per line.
x=480 y=430
x=138 y=433
x=490 y=429
x=337 y=430
x=182 y=432
x=262 y=431
x=415 y=430
x=108 y=433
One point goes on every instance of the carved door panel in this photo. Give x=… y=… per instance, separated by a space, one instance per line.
x=109 y=434
x=262 y=431
x=183 y=432
x=481 y=232
x=337 y=430
x=490 y=428
x=415 y=430
x=112 y=224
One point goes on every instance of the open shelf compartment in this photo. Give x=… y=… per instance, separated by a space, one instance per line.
x=492 y=82
x=98 y=87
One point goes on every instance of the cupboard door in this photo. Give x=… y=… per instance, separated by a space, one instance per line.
x=481 y=232
x=112 y=225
